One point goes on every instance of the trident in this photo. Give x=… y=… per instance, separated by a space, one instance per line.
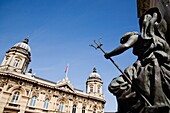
x=99 y=46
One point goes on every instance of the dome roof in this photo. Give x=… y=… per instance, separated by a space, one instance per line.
x=23 y=45
x=94 y=74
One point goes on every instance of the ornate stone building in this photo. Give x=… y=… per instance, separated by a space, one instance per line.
x=22 y=92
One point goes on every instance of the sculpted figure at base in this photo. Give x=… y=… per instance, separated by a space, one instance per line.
x=151 y=71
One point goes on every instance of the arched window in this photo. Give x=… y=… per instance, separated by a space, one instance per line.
x=15 y=97
x=98 y=89
x=83 y=110
x=74 y=109
x=16 y=63
x=60 y=107
x=33 y=101
x=46 y=102
x=91 y=89
x=94 y=111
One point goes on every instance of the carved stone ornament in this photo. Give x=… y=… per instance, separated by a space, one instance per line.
x=1 y=84
x=4 y=79
x=35 y=93
x=48 y=96
x=9 y=86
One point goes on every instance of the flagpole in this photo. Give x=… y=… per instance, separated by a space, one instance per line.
x=66 y=71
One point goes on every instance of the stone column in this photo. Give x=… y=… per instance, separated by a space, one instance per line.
x=23 y=103
x=4 y=100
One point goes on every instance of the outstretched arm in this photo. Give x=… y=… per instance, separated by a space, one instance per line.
x=120 y=49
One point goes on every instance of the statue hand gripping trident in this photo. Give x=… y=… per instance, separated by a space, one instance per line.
x=99 y=46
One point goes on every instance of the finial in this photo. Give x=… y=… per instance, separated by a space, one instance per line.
x=30 y=71
x=94 y=70
x=26 y=40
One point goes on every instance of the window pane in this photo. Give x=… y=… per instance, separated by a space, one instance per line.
x=61 y=107
x=74 y=109
x=83 y=110
x=16 y=63
x=91 y=89
x=33 y=101
x=94 y=111
x=98 y=89
x=46 y=104
x=15 y=97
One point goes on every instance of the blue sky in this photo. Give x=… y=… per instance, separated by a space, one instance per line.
x=60 y=32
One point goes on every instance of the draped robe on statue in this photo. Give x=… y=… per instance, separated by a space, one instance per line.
x=150 y=74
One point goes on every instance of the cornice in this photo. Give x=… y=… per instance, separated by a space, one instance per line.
x=34 y=81
x=20 y=50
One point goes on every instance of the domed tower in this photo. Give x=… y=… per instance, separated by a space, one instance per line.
x=17 y=58
x=94 y=84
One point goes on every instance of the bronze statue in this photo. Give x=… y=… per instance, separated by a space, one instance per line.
x=150 y=74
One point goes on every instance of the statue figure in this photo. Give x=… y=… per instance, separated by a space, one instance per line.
x=151 y=71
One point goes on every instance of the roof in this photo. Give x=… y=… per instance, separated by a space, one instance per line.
x=64 y=85
x=23 y=45
x=94 y=75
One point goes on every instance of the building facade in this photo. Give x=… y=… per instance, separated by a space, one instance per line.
x=23 y=92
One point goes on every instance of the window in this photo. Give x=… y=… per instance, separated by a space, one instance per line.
x=74 y=109
x=98 y=90
x=94 y=111
x=91 y=89
x=16 y=63
x=83 y=110
x=33 y=101
x=60 y=107
x=15 y=97
x=46 y=102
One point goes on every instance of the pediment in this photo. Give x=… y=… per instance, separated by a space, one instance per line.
x=66 y=87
